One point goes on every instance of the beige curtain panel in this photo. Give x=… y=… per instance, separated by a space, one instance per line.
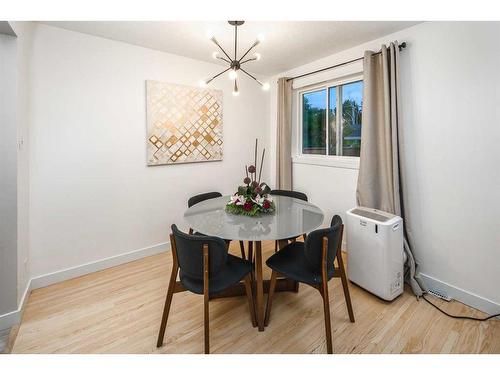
x=381 y=183
x=284 y=136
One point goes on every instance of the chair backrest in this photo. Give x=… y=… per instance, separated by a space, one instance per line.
x=314 y=244
x=189 y=251
x=203 y=197
x=290 y=193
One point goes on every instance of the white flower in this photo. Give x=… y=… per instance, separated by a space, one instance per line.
x=259 y=200
x=238 y=200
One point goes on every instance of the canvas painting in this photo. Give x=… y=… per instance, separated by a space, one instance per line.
x=184 y=124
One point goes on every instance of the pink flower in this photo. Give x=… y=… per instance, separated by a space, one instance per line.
x=266 y=205
x=247 y=206
x=247 y=180
x=251 y=169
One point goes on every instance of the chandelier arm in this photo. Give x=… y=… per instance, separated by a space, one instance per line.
x=215 y=76
x=218 y=45
x=251 y=76
x=248 y=60
x=224 y=59
x=248 y=50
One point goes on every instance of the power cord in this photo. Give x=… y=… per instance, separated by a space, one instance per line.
x=459 y=316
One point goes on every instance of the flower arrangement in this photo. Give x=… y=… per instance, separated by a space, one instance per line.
x=252 y=198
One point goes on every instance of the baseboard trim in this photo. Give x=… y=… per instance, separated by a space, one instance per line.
x=98 y=265
x=464 y=296
x=9 y=319
x=14 y=317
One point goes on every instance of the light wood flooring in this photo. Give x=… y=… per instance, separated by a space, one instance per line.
x=118 y=310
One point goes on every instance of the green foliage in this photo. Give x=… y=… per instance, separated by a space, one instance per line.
x=313 y=131
x=314 y=124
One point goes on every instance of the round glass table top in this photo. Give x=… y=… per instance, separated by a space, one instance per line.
x=292 y=218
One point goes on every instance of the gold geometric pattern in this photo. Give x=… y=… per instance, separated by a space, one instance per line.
x=184 y=124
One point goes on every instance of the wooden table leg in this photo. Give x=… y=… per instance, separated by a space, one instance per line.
x=260 y=285
x=281 y=245
x=250 y=258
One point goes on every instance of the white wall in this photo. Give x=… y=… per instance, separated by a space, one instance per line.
x=92 y=195
x=24 y=38
x=450 y=86
x=8 y=175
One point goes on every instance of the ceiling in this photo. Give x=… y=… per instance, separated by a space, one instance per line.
x=287 y=44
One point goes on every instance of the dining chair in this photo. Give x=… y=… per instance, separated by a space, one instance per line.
x=312 y=262
x=203 y=197
x=291 y=194
x=204 y=267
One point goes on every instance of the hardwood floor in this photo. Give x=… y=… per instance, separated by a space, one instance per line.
x=118 y=310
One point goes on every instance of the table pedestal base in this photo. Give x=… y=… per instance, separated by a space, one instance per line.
x=259 y=286
x=282 y=285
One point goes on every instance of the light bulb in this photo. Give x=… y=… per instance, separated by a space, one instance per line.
x=202 y=83
x=265 y=86
x=232 y=74
x=215 y=54
x=236 y=92
x=257 y=56
x=261 y=37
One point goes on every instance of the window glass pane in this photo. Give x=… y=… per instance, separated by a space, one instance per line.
x=352 y=100
x=332 y=121
x=314 y=122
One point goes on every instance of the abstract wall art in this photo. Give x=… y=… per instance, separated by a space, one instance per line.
x=184 y=124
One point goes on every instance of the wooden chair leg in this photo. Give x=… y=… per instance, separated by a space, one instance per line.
x=166 y=308
x=304 y=236
x=206 y=298
x=272 y=287
x=276 y=246
x=324 y=294
x=248 y=290
x=190 y=230
x=345 y=286
x=326 y=309
x=242 y=248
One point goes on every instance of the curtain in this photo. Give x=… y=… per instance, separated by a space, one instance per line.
x=284 y=136
x=381 y=182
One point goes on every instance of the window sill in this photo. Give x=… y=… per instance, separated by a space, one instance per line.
x=348 y=162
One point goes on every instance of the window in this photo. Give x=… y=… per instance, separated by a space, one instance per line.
x=336 y=131
x=314 y=122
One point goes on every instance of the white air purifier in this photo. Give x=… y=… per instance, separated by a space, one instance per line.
x=375 y=255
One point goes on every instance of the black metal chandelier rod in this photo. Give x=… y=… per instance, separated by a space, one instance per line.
x=215 y=76
x=218 y=45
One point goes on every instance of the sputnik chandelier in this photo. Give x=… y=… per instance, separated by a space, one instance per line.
x=235 y=64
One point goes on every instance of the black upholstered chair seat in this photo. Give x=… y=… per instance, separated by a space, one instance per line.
x=233 y=271
x=291 y=262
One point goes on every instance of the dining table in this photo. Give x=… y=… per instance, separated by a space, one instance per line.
x=291 y=218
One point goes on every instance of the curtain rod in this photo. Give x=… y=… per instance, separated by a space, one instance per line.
x=401 y=46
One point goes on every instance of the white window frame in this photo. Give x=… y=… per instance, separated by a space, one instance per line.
x=351 y=162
